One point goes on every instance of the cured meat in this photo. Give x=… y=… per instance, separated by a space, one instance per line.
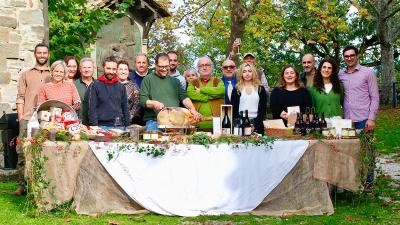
x=175 y=116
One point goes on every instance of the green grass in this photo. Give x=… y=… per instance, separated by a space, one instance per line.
x=388 y=131
x=368 y=209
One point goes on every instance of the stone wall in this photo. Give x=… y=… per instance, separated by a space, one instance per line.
x=21 y=28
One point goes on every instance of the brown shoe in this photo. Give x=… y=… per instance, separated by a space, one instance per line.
x=20 y=191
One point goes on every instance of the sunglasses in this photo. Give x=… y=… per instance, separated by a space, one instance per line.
x=228 y=67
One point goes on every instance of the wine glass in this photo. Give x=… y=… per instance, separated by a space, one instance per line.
x=117 y=122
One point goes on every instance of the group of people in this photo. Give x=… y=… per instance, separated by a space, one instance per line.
x=351 y=93
x=121 y=96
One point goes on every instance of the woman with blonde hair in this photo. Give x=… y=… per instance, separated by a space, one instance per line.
x=190 y=75
x=290 y=93
x=58 y=88
x=250 y=95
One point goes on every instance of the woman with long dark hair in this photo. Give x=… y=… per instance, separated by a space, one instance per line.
x=73 y=68
x=290 y=93
x=327 y=92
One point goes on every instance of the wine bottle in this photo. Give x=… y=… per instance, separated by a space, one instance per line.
x=297 y=125
x=241 y=130
x=236 y=127
x=246 y=124
x=317 y=126
x=226 y=123
x=323 y=123
x=302 y=125
x=308 y=125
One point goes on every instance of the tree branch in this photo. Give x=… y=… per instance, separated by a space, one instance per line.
x=396 y=33
x=251 y=9
x=392 y=14
x=193 y=11
x=213 y=14
x=313 y=47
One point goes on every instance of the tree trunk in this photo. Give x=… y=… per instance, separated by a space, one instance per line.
x=384 y=33
x=387 y=63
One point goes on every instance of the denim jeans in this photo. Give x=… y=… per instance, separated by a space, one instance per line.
x=151 y=125
x=360 y=124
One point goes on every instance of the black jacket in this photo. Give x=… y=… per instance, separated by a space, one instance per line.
x=107 y=102
x=262 y=107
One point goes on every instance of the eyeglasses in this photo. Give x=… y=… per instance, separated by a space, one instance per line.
x=163 y=67
x=228 y=67
x=204 y=65
x=350 y=56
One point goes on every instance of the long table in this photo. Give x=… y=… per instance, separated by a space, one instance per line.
x=288 y=178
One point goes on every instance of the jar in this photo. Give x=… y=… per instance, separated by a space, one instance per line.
x=352 y=132
x=325 y=132
x=345 y=132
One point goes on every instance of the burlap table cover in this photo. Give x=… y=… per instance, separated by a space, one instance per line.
x=76 y=173
x=338 y=163
x=62 y=168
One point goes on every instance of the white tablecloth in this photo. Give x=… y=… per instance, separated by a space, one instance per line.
x=192 y=180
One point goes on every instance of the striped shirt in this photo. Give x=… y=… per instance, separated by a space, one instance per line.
x=65 y=92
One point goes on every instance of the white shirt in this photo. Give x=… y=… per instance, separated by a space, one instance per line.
x=328 y=88
x=249 y=102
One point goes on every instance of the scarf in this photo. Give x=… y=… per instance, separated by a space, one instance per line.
x=105 y=80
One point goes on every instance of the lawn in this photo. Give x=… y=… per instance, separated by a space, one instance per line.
x=368 y=208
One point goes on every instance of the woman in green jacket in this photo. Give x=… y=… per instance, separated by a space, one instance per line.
x=327 y=92
x=207 y=93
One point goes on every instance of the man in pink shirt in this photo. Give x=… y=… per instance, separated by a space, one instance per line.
x=361 y=95
x=361 y=98
x=29 y=84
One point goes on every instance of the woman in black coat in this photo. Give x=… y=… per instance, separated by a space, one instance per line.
x=250 y=95
x=290 y=93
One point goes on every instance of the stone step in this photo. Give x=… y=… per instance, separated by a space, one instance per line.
x=6 y=174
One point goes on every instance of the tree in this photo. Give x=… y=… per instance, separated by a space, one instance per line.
x=387 y=15
x=73 y=26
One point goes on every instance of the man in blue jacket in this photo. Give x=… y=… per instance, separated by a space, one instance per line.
x=108 y=102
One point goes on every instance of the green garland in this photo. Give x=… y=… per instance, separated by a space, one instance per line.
x=367 y=154
x=203 y=139
x=37 y=182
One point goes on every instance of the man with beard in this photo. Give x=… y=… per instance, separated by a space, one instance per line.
x=141 y=69
x=108 y=102
x=159 y=90
x=29 y=83
x=308 y=62
x=173 y=65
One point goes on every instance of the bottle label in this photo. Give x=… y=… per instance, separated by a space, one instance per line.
x=226 y=130
x=247 y=131
x=236 y=131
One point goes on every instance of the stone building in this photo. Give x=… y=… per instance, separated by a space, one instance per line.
x=21 y=28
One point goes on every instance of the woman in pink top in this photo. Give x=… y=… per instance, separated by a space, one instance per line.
x=58 y=88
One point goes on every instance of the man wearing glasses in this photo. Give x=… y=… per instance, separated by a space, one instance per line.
x=207 y=93
x=229 y=78
x=159 y=90
x=361 y=96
